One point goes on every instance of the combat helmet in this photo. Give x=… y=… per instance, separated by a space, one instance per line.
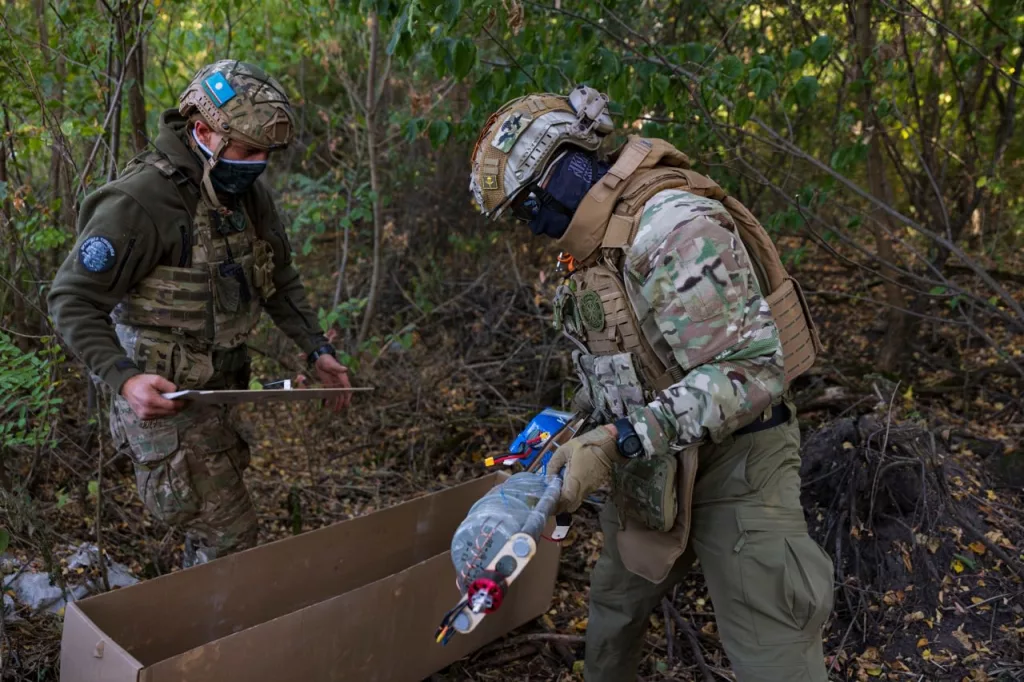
x=241 y=102
x=522 y=138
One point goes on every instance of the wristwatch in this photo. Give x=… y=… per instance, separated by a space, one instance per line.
x=326 y=349
x=627 y=441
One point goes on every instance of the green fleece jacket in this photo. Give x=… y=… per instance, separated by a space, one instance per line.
x=142 y=220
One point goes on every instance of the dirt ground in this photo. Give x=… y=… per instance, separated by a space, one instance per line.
x=913 y=486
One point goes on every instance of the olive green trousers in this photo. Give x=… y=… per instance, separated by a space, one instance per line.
x=770 y=583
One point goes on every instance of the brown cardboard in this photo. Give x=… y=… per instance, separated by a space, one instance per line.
x=357 y=600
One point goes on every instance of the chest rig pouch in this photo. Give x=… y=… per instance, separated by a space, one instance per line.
x=618 y=371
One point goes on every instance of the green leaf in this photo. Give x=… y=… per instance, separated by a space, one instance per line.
x=609 y=63
x=937 y=291
x=821 y=48
x=438 y=133
x=396 y=33
x=806 y=90
x=981 y=182
x=744 y=109
x=884 y=107
x=797 y=58
x=448 y=11
x=694 y=52
x=441 y=51
x=465 y=57
x=5 y=540
x=659 y=84
x=94 y=489
x=971 y=564
x=732 y=67
x=763 y=82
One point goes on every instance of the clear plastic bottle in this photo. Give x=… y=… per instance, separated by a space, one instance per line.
x=520 y=503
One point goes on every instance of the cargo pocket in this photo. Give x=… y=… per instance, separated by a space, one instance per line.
x=118 y=438
x=786 y=577
x=168 y=489
x=162 y=472
x=149 y=441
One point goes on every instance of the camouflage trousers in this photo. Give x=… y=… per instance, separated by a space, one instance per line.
x=188 y=472
x=770 y=583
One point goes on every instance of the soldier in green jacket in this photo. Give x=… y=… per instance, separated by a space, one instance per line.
x=174 y=263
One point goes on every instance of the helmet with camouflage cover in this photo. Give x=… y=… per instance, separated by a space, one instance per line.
x=521 y=139
x=241 y=102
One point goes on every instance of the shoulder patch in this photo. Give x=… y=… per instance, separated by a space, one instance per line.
x=97 y=254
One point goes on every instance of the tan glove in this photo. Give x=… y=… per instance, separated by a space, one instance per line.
x=588 y=461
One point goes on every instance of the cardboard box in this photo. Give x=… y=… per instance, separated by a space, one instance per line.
x=357 y=600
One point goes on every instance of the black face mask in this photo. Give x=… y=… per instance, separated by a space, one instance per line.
x=232 y=177
x=549 y=210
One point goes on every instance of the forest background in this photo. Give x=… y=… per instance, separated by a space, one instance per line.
x=878 y=142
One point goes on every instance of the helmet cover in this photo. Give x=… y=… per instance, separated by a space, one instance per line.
x=240 y=101
x=520 y=140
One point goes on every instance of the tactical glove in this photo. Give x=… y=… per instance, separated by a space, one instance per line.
x=588 y=462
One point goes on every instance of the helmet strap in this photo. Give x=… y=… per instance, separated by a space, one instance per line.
x=209 y=193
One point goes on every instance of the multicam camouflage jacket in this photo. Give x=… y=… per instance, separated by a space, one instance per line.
x=693 y=293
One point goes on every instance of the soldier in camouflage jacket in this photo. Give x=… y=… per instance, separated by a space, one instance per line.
x=683 y=368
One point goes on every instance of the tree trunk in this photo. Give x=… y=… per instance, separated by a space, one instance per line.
x=899 y=329
x=115 y=69
x=6 y=222
x=371 y=145
x=136 y=73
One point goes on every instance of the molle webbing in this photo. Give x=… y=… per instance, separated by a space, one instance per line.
x=800 y=342
x=620 y=330
x=215 y=302
x=609 y=216
x=169 y=297
x=212 y=248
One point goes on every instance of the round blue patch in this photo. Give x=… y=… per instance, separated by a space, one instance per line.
x=97 y=254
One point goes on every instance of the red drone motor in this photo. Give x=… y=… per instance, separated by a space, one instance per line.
x=486 y=592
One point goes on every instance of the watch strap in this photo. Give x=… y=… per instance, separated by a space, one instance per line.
x=326 y=349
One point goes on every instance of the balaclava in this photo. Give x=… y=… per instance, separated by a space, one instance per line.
x=570 y=178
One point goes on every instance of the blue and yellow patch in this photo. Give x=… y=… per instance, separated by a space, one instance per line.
x=219 y=90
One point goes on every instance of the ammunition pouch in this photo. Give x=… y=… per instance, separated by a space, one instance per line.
x=263 y=268
x=645 y=490
x=230 y=286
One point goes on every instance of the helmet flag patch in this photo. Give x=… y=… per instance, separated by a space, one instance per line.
x=219 y=90
x=511 y=128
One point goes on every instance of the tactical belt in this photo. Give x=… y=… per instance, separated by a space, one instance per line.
x=780 y=415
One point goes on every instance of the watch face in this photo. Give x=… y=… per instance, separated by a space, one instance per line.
x=631 y=446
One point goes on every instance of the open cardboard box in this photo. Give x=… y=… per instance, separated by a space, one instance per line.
x=357 y=600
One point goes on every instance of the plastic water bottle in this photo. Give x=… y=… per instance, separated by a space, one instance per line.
x=506 y=509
